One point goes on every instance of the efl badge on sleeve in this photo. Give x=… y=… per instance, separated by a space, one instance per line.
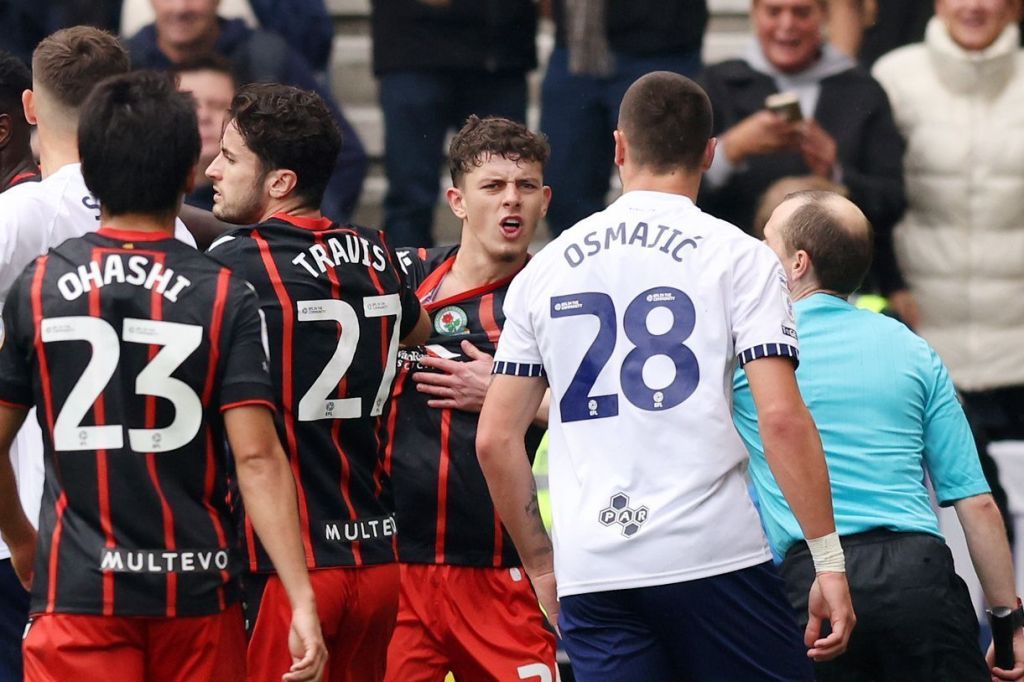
x=451 y=321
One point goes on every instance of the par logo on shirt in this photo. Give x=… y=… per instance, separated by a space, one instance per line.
x=627 y=518
x=451 y=321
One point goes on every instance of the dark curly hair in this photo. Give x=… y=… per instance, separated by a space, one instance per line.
x=481 y=137
x=290 y=128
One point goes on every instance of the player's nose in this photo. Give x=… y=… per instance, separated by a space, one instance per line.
x=512 y=195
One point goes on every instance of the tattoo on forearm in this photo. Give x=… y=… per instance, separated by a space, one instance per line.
x=532 y=510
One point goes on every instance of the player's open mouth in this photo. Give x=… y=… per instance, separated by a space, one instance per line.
x=511 y=226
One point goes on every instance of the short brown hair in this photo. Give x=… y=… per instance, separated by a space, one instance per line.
x=667 y=121
x=840 y=253
x=482 y=137
x=71 y=61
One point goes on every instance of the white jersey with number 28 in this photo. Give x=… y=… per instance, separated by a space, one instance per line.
x=638 y=316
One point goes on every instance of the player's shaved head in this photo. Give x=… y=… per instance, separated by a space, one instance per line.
x=66 y=65
x=834 y=232
x=666 y=119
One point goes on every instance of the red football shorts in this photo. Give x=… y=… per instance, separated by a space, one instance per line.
x=357 y=608
x=482 y=624
x=62 y=647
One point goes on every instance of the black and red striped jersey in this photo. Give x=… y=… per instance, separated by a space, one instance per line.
x=335 y=305
x=131 y=344
x=443 y=507
x=27 y=176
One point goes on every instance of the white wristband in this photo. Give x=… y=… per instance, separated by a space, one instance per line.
x=827 y=554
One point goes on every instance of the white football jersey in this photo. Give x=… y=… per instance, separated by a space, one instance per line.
x=35 y=216
x=638 y=316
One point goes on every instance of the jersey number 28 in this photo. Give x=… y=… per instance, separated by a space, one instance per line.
x=577 y=404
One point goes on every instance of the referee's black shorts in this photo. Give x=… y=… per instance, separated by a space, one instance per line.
x=915 y=620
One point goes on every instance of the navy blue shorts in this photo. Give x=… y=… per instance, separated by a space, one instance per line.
x=732 y=627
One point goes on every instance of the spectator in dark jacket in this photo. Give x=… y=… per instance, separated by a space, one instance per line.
x=600 y=49
x=438 y=61
x=846 y=131
x=184 y=31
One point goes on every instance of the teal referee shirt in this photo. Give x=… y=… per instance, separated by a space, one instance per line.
x=888 y=415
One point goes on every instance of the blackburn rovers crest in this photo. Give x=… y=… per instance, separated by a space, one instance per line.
x=451 y=321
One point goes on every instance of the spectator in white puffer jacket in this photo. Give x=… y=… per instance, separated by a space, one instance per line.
x=958 y=99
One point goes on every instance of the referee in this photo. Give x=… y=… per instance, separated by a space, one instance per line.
x=888 y=414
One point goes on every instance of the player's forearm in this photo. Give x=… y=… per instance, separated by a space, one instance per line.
x=268 y=490
x=794 y=453
x=541 y=420
x=514 y=492
x=510 y=406
x=989 y=548
x=15 y=528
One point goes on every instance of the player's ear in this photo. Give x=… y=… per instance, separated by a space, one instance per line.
x=456 y=202
x=281 y=182
x=546 y=191
x=709 y=154
x=620 y=147
x=28 y=103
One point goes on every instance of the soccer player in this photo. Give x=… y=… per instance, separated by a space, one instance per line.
x=336 y=306
x=466 y=605
x=142 y=354
x=37 y=215
x=636 y=317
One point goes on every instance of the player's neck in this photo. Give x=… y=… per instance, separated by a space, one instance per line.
x=474 y=268
x=292 y=206
x=676 y=182
x=56 y=149
x=139 y=222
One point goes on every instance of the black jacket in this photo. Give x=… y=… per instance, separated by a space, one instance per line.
x=853 y=109
x=477 y=35
x=647 y=27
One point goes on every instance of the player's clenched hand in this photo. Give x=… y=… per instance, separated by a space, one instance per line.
x=829 y=599
x=306 y=644
x=547 y=593
x=1018 y=660
x=457 y=385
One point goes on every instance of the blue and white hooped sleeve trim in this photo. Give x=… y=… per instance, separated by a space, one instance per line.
x=767 y=350
x=518 y=369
